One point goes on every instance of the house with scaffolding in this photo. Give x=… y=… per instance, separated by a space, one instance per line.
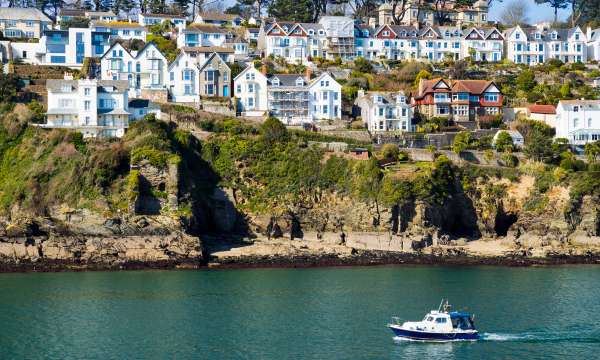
x=295 y=99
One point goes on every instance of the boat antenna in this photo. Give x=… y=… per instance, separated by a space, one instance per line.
x=441 y=304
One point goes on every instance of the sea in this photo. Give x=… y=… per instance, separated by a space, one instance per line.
x=318 y=313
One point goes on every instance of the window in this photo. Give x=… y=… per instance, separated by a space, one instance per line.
x=275 y=82
x=490 y=97
x=575 y=122
x=172 y=76
x=324 y=95
x=325 y=109
x=238 y=89
x=225 y=76
x=517 y=36
x=209 y=75
x=299 y=82
x=335 y=96
x=138 y=67
x=187 y=89
x=86 y=105
x=251 y=102
x=575 y=108
x=209 y=89
x=576 y=36
x=440 y=320
x=57 y=59
x=250 y=88
x=187 y=75
x=86 y=91
x=29 y=34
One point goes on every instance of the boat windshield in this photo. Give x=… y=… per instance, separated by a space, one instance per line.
x=428 y=318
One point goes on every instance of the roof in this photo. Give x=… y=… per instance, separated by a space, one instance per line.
x=119 y=24
x=288 y=80
x=218 y=16
x=387 y=97
x=459 y=314
x=202 y=28
x=117 y=111
x=100 y=13
x=541 y=109
x=23 y=14
x=56 y=85
x=580 y=102
x=471 y=86
x=210 y=59
x=72 y=12
x=204 y=49
x=169 y=16
x=253 y=30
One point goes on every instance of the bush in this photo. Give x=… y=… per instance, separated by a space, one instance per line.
x=357 y=125
x=390 y=151
x=504 y=142
x=510 y=160
x=272 y=131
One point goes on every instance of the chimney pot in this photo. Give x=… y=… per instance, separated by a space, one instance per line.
x=308 y=74
x=263 y=70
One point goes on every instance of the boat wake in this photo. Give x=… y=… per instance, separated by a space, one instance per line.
x=536 y=337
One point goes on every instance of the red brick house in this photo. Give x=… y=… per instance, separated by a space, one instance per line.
x=459 y=100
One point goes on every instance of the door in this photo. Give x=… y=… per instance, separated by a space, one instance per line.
x=226 y=90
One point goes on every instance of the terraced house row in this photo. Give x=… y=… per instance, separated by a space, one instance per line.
x=301 y=42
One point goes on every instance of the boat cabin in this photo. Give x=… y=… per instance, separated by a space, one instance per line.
x=462 y=320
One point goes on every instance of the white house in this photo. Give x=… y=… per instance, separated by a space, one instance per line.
x=201 y=35
x=538 y=45
x=183 y=81
x=96 y=108
x=239 y=46
x=437 y=43
x=122 y=30
x=325 y=98
x=252 y=34
x=578 y=121
x=483 y=44
x=145 y=70
x=106 y=16
x=392 y=42
x=250 y=89
x=385 y=111
x=70 y=47
x=139 y=108
x=292 y=98
x=153 y=19
x=593 y=45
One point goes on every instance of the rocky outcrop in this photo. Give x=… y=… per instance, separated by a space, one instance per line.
x=84 y=240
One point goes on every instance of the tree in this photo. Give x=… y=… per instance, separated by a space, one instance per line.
x=556 y=4
x=592 y=151
x=362 y=65
x=538 y=146
x=273 y=130
x=399 y=9
x=422 y=75
x=526 y=80
x=367 y=184
x=515 y=13
x=504 y=142
x=292 y=10
x=8 y=87
x=584 y=12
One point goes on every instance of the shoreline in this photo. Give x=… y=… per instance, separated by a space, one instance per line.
x=361 y=258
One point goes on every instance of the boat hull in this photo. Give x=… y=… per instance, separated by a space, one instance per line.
x=433 y=336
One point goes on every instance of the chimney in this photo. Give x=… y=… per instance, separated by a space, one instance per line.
x=263 y=70
x=67 y=76
x=360 y=93
x=588 y=33
x=308 y=74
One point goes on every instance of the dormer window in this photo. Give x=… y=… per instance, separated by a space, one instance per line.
x=275 y=82
x=379 y=99
x=299 y=82
x=403 y=33
x=447 y=33
x=455 y=32
x=275 y=31
x=538 y=36
x=575 y=108
x=321 y=32
x=311 y=32
x=553 y=36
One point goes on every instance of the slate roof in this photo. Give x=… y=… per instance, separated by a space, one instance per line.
x=287 y=80
x=23 y=14
x=202 y=28
x=56 y=85
x=218 y=16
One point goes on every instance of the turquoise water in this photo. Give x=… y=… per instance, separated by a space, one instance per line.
x=337 y=313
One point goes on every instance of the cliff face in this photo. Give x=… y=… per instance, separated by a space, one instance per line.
x=493 y=209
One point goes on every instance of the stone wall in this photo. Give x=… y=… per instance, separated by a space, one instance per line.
x=155 y=95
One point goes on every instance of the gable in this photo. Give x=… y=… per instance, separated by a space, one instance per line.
x=385 y=28
x=491 y=89
x=276 y=30
x=474 y=35
x=495 y=35
x=440 y=85
x=297 y=30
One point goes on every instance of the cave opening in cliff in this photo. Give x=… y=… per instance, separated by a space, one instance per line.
x=503 y=222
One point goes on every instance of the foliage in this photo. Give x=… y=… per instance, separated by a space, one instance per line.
x=422 y=75
x=272 y=131
x=362 y=65
x=462 y=142
x=167 y=46
x=526 y=80
x=390 y=151
x=504 y=142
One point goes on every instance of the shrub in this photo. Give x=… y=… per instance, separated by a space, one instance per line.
x=510 y=160
x=390 y=151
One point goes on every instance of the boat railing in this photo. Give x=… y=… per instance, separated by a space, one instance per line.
x=396 y=320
